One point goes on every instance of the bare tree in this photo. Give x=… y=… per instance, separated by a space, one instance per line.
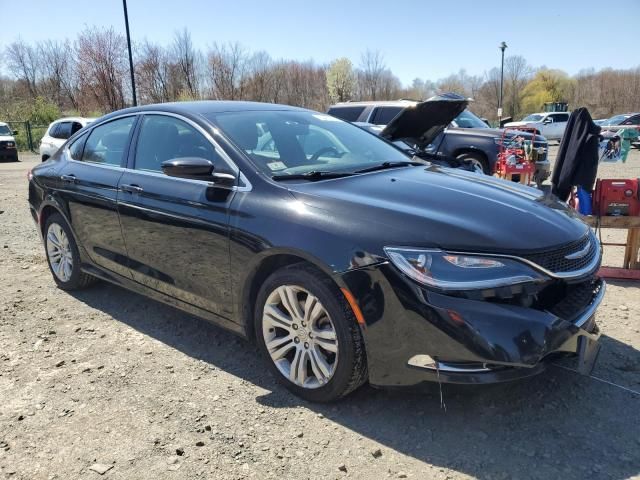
x=103 y=66
x=22 y=61
x=153 y=72
x=59 y=73
x=227 y=70
x=517 y=75
x=370 y=74
x=187 y=60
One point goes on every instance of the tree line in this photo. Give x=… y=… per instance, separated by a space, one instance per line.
x=90 y=76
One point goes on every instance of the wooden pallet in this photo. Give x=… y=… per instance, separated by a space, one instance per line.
x=630 y=269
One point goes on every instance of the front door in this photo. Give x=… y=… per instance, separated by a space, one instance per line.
x=176 y=230
x=89 y=189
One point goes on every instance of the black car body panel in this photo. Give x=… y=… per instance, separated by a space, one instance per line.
x=206 y=248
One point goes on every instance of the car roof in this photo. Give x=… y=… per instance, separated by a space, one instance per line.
x=74 y=119
x=384 y=103
x=2 y=124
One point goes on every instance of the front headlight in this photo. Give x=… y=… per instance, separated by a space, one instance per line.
x=448 y=271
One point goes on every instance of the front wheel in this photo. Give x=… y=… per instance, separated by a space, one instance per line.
x=475 y=161
x=308 y=333
x=63 y=256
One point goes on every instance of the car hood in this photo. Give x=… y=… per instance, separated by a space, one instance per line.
x=441 y=207
x=419 y=124
x=495 y=132
x=519 y=124
x=5 y=138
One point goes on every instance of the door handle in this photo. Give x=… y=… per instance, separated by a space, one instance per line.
x=69 y=178
x=131 y=188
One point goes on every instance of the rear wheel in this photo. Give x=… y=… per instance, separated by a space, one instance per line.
x=63 y=256
x=476 y=161
x=308 y=333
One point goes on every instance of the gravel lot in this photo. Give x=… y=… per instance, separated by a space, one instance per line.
x=106 y=382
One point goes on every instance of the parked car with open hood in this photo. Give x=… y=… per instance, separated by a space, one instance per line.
x=450 y=134
x=549 y=124
x=8 y=146
x=58 y=132
x=345 y=259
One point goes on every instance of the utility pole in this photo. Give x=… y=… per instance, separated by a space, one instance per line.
x=503 y=47
x=133 y=78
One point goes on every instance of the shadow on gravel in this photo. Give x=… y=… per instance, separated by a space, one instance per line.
x=556 y=425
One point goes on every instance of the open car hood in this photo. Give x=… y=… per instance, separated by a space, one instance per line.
x=419 y=124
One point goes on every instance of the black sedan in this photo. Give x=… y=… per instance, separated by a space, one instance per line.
x=344 y=259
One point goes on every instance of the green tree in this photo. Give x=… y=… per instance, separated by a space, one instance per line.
x=341 y=80
x=546 y=86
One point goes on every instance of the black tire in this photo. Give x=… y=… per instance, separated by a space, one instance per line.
x=78 y=279
x=351 y=368
x=474 y=158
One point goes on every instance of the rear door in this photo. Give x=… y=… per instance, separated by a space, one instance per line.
x=89 y=189
x=176 y=230
x=559 y=124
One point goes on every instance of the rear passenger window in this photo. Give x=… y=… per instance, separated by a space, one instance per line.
x=384 y=115
x=560 y=117
x=107 y=143
x=62 y=130
x=164 y=138
x=349 y=114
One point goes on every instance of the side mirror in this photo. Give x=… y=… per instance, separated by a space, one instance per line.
x=15 y=132
x=196 y=168
x=548 y=120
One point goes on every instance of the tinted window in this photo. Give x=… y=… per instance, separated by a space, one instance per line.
x=635 y=120
x=107 y=143
x=62 y=130
x=75 y=126
x=350 y=114
x=164 y=138
x=75 y=149
x=5 y=130
x=560 y=117
x=384 y=115
x=468 y=120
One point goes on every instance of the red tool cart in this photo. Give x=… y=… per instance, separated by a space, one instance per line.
x=516 y=155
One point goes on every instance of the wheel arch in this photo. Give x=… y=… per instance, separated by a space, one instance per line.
x=263 y=266
x=475 y=151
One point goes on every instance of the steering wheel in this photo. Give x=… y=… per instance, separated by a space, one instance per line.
x=316 y=155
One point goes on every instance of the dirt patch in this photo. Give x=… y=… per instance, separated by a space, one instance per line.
x=108 y=384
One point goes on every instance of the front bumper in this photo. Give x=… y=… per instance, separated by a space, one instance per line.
x=413 y=335
x=8 y=155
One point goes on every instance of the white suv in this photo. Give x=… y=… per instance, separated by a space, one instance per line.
x=551 y=125
x=58 y=133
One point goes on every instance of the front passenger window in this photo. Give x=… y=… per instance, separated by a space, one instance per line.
x=107 y=143
x=164 y=138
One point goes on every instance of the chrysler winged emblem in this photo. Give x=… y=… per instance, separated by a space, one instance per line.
x=579 y=253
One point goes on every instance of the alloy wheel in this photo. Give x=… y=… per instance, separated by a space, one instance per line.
x=476 y=165
x=300 y=336
x=59 y=252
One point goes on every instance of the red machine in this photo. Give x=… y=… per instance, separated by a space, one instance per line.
x=516 y=155
x=617 y=197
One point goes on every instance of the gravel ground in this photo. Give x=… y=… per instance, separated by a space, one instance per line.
x=106 y=382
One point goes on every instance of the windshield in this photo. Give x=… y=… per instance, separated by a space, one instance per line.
x=533 y=118
x=468 y=120
x=293 y=143
x=4 y=130
x=616 y=120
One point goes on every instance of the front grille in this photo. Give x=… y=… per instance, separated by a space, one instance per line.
x=555 y=260
x=576 y=299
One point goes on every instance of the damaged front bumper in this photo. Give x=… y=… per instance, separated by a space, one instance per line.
x=415 y=335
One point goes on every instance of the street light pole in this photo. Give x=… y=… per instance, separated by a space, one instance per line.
x=503 y=47
x=133 y=78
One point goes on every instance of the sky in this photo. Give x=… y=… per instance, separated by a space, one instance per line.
x=419 y=38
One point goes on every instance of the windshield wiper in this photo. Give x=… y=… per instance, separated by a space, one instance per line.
x=312 y=175
x=385 y=165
